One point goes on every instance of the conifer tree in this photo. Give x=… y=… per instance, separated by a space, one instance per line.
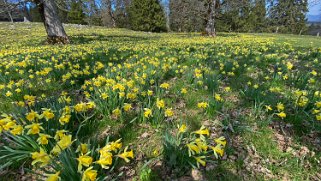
x=147 y=15
x=76 y=14
x=289 y=16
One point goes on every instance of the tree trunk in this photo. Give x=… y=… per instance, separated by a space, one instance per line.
x=110 y=13
x=10 y=16
x=210 y=25
x=55 y=31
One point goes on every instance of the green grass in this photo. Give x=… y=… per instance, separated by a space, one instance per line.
x=238 y=61
x=303 y=41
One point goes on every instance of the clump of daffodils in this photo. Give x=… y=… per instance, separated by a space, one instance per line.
x=196 y=147
x=52 y=145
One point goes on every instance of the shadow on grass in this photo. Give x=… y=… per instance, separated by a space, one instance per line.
x=85 y=38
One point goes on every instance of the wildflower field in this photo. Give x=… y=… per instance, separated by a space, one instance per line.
x=123 y=105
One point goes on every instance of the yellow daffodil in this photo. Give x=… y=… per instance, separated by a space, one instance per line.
x=268 y=108
x=169 y=112
x=164 y=85
x=160 y=103
x=47 y=114
x=89 y=174
x=90 y=105
x=193 y=148
x=60 y=134
x=202 y=131
x=289 y=65
x=53 y=177
x=34 y=128
x=280 y=107
x=31 y=116
x=281 y=115
x=150 y=92
x=182 y=128
x=62 y=144
x=202 y=105
x=200 y=161
x=218 y=150
x=314 y=73
x=16 y=130
x=183 y=91
x=104 y=96
x=127 y=107
x=201 y=144
x=105 y=160
x=64 y=119
x=113 y=146
x=218 y=97
x=116 y=112
x=40 y=157
x=43 y=139
x=126 y=154
x=82 y=148
x=84 y=160
x=80 y=107
x=148 y=113
x=221 y=140
x=318 y=104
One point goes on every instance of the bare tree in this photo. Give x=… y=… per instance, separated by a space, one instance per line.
x=210 y=23
x=7 y=8
x=109 y=12
x=48 y=10
x=55 y=31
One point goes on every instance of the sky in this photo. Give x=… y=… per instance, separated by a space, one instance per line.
x=315 y=9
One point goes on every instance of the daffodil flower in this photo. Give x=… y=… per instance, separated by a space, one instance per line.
x=182 y=128
x=89 y=174
x=47 y=114
x=126 y=154
x=62 y=144
x=53 y=177
x=221 y=140
x=43 y=139
x=84 y=160
x=40 y=157
x=199 y=160
x=147 y=112
x=218 y=150
x=281 y=115
x=202 y=131
x=160 y=103
x=34 y=128
x=105 y=160
x=82 y=148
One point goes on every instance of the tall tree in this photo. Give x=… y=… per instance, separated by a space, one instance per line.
x=76 y=14
x=92 y=11
x=55 y=31
x=62 y=10
x=186 y=15
x=147 y=15
x=108 y=14
x=47 y=9
x=210 y=20
x=6 y=8
x=289 y=16
x=259 y=12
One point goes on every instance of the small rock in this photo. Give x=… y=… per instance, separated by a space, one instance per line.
x=303 y=151
x=289 y=150
x=144 y=135
x=197 y=175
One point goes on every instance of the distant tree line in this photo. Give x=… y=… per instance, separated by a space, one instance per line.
x=284 y=16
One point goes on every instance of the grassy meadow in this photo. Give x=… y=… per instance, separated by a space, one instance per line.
x=125 y=105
